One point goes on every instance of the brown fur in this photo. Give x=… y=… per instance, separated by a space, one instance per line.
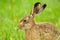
x=42 y=31
x=37 y=31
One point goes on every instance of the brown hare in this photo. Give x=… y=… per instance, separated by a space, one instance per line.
x=37 y=31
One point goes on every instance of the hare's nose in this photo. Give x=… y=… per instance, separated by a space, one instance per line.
x=20 y=25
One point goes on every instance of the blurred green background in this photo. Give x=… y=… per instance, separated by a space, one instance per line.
x=12 y=10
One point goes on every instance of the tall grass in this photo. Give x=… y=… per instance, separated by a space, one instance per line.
x=12 y=10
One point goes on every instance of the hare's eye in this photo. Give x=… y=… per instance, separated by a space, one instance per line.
x=24 y=21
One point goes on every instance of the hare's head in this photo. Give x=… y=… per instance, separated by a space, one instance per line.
x=28 y=21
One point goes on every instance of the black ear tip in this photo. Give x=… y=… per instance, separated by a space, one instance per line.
x=36 y=4
x=44 y=6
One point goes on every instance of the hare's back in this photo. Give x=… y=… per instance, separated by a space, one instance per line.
x=48 y=26
x=48 y=31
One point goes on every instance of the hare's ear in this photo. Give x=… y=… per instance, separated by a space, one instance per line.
x=38 y=7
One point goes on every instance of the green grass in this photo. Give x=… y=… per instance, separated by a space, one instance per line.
x=12 y=10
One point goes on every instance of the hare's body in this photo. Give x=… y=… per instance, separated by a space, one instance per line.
x=40 y=31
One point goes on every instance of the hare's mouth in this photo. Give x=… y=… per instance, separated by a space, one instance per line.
x=26 y=28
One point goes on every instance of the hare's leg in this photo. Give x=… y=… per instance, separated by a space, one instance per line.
x=27 y=35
